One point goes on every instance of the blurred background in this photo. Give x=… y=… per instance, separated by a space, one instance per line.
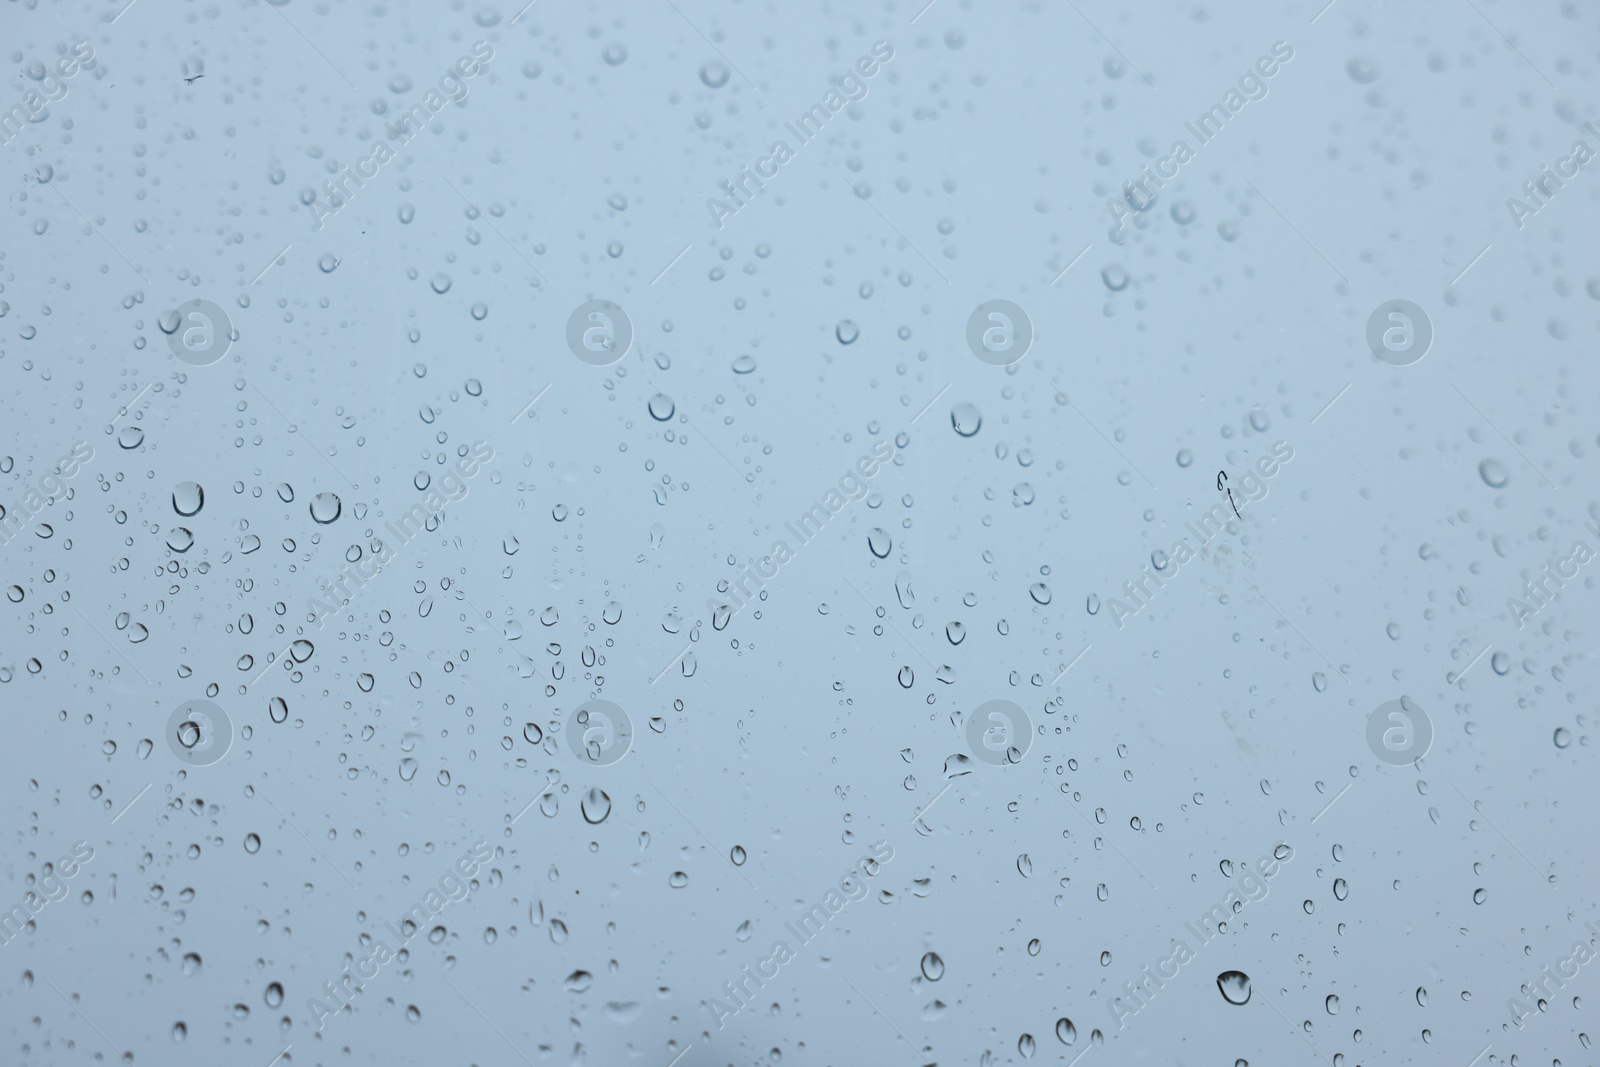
x=515 y=513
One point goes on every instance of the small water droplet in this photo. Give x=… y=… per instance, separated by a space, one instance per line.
x=713 y=74
x=595 y=806
x=966 y=419
x=188 y=498
x=1494 y=473
x=1235 y=986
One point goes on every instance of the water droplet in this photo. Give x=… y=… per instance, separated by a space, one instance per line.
x=1235 y=986
x=714 y=75
x=1362 y=71
x=188 y=498
x=1494 y=473
x=595 y=806
x=966 y=419
x=325 y=507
